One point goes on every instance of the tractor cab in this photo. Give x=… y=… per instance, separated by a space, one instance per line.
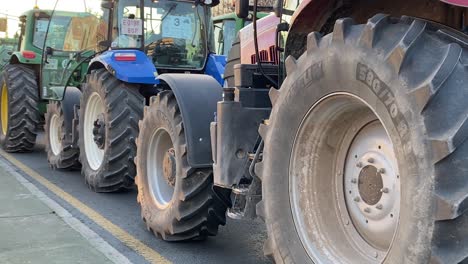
x=172 y=36
x=26 y=47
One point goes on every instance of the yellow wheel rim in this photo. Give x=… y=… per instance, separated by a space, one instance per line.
x=4 y=108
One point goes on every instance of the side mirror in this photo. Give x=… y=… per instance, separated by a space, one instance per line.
x=105 y=44
x=49 y=51
x=242 y=8
x=107 y=5
x=277 y=6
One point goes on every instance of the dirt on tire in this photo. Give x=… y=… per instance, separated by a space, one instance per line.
x=194 y=212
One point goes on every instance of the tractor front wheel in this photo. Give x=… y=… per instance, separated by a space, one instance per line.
x=177 y=201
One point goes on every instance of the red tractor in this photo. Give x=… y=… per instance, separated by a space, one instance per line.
x=352 y=145
x=362 y=157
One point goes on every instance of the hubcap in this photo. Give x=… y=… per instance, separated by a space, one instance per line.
x=169 y=167
x=4 y=108
x=55 y=132
x=344 y=182
x=99 y=131
x=161 y=168
x=94 y=110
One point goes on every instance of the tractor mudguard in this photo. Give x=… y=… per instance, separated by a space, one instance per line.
x=18 y=56
x=131 y=66
x=70 y=99
x=463 y=3
x=197 y=96
x=215 y=67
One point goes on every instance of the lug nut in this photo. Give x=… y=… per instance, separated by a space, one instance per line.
x=384 y=190
x=357 y=199
x=367 y=210
x=381 y=170
x=359 y=165
x=370 y=160
x=379 y=206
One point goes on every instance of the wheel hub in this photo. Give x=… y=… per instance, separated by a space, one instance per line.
x=371 y=186
x=99 y=131
x=169 y=167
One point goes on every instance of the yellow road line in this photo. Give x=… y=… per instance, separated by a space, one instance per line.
x=148 y=253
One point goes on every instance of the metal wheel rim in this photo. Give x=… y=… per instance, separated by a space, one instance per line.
x=94 y=154
x=372 y=148
x=4 y=108
x=342 y=220
x=160 y=190
x=55 y=135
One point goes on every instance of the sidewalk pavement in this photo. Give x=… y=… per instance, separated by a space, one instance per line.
x=31 y=232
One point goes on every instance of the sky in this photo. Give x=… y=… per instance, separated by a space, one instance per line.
x=14 y=8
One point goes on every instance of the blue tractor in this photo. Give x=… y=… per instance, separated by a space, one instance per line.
x=140 y=53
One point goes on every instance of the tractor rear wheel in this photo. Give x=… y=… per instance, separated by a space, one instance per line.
x=366 y=149
x=177 y=201
x=109 y=113
x=19 y=108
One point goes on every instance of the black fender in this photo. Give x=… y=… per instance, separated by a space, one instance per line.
x=197 y=96
x=71 y=100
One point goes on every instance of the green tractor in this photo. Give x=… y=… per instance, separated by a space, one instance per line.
x=7 y=46
x=22 y=102
x=226 y=28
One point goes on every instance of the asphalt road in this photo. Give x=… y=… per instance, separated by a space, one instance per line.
x=239 y=241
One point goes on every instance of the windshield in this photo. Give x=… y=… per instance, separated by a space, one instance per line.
x=173 y=33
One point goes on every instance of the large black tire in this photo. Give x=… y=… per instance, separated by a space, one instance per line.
x=414 y=75
x=193 y=211
x=233 y=59
x=123 y=108
x=61 y=153
x=19 y=133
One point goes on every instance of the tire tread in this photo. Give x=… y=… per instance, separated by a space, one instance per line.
x=24 y=115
